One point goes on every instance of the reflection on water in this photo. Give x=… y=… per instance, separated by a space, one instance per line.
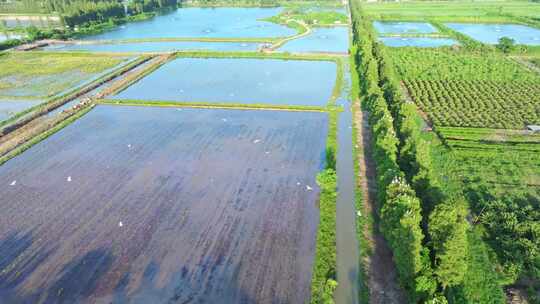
x=155 y=205
x=491 y=33
x=335 y=40
x=203 y=22
x=249 y=81
x=384 y=27
x=156 y=46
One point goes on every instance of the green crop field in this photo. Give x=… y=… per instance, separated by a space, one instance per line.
x=485 y=11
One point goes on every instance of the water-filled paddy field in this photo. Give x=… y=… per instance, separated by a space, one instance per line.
x=4 y=37
x=162 y=46
x=203 y=22
x=398 y=27
x=247 y=81
x=155 y=205
x=41 y=75
x=334 y=39
x=491 y=33
x=9 y=108
x=417 y=41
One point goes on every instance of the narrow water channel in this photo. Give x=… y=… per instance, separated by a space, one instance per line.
x=347 y=242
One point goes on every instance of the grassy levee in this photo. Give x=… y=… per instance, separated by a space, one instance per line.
x=323 y=282
x=158 y=62
x=27 y=115
x=57 y=127
x=364 y=223
x=250 y=106
x=258 y=55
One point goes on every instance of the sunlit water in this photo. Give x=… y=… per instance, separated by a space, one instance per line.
x=248 y=81
x=335 y=40
x=203 y=22
x=156 y=46
x=491 y=33
x=404 y=27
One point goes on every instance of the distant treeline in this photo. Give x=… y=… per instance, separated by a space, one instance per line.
x=80 y=12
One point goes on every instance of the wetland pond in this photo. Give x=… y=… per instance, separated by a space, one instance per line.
x=387 y=27
x=491 y=33
x=333 y=40
x=155 y=205
x=246 y=81
x=203 y=22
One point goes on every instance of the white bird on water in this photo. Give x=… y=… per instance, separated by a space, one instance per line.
x=13 y=183
x=69 y=178
x=308 y=188
x=120 y=224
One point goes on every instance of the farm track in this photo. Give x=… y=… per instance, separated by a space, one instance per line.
x=42 y=123
x=381 y=271
x=526 y=64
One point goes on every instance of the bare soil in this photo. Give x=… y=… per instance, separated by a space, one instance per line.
x=381 y=272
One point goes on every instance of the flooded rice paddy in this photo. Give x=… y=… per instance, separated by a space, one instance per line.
x=40 y=75
x=247 y=81
x=156 y=46
x=154 y=205
x=491 y=33
x=417 y=41
x=333 y=40
x=384 y=27
x=203 y=22
x=9 y=108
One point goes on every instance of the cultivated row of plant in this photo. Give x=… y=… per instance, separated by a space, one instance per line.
x=448 y=64
x=435 y=266
x=490 y=104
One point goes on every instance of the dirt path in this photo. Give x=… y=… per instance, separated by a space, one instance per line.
x=280 y=43
x=381 y=273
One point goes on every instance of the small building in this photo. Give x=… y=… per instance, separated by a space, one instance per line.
x=534 y=128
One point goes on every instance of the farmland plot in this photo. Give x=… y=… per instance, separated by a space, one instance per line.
x=246 y=81
x=42 y=75
x=155 y=205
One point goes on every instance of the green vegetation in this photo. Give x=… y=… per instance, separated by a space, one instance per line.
x=457 y=11
x=312 y=18
x=323 y=282
x=461 y=103
x=447 y=64
x=46 y=74
x=423 y=212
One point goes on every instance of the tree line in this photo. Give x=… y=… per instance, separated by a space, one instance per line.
x=425 y=226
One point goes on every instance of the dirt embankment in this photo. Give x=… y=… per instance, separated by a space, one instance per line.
x=381 y=272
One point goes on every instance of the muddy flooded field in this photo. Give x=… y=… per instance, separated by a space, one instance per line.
x=9 y=108
x=41 y=75
x=247 y=81
x=155 y=205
